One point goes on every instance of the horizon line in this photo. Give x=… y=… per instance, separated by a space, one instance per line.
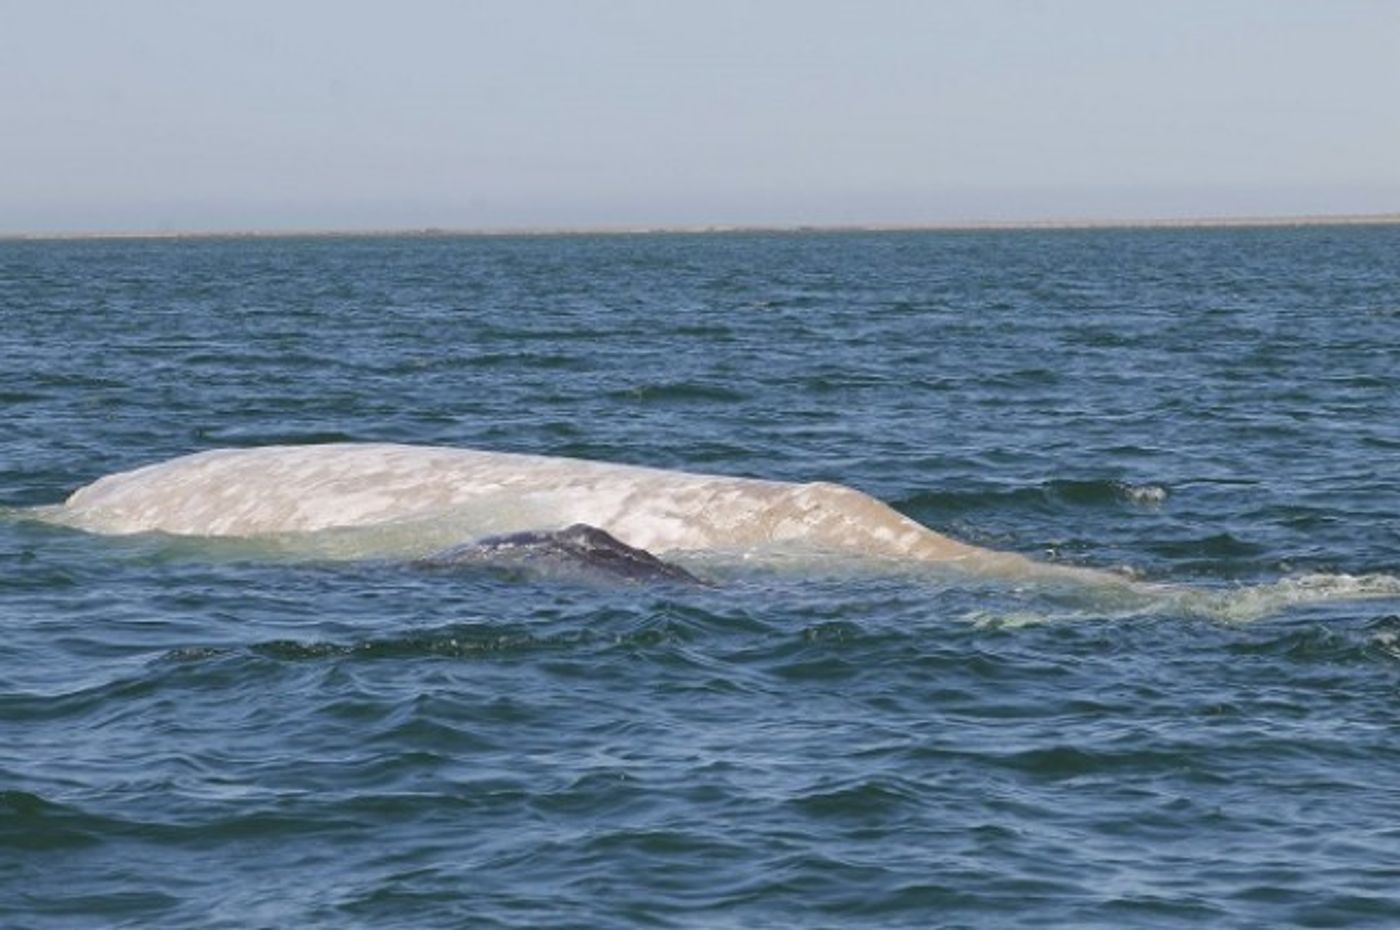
x=640 y=229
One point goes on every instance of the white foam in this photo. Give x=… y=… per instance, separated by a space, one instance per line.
x=1145 y=495
x=1254 y=602
x=1241 y=605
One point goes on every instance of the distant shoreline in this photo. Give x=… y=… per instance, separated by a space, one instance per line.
x=1217 y=222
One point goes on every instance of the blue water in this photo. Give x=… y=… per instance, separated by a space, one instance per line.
x=193 y=735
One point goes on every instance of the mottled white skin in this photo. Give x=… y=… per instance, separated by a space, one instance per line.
x=280 y=490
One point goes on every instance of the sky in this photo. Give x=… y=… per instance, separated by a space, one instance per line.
x=201 y=115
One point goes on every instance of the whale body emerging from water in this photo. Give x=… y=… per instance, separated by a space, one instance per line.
x=415 y=500
x=443 y=507
x=575 y=551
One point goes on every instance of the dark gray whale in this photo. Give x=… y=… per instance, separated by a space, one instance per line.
x=579 y=549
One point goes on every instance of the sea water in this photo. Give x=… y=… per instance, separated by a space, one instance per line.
x=199 y=733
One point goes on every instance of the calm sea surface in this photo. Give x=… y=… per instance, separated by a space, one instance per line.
x=198 y=736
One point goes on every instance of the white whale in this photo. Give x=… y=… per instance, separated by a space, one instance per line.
x=398 y=501
x=414 y=499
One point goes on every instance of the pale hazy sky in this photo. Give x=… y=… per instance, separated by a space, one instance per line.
x=195 y=114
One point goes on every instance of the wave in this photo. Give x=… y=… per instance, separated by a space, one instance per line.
x=32 y=824
x=1056 y=494
x=467 y=641
x=677 y=392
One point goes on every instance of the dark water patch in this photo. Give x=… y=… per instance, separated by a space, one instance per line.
x=678 y=392
x=36 y=576
x=32 y=824
x=545 y=361
x=709 y=332
x=1214 y=546
x=68 y=380
x=21 y=397
x=671 y=627
x=1055 y=494
x=869 y=801
x=134 y=907
x=463 y=642
x=245 y=438
x=1075 y=762
x=1098 y=493
x=1323 y=644
x=1100 y=337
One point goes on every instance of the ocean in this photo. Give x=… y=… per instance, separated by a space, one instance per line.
x=215 y=734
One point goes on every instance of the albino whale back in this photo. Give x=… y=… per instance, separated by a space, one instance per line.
x=411 y=502
x=424 y=497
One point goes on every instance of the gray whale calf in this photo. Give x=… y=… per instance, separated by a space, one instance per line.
x=578 y=550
